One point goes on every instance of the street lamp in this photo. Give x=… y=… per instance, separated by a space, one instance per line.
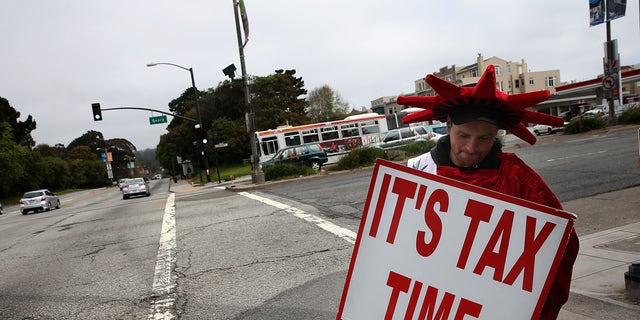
x=195 y=97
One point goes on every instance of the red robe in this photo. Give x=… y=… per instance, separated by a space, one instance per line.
x=517 y=179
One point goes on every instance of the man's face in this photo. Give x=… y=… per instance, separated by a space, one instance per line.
x=471 y=142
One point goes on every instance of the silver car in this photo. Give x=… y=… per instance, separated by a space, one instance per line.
x=135 y=187
x=39 y=200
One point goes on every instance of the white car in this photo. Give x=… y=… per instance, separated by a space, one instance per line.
x=540 y=129
x=39 y=200
x=135 y=187
x=593 y=113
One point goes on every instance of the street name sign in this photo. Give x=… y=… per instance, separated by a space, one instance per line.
x=157 y=119
x=430 y=247
x=221 y=145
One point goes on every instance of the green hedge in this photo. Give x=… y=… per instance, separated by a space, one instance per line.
x=361 y=157
x=286 y=170
x=630 y=116
x=418 y=148
x=584 y=125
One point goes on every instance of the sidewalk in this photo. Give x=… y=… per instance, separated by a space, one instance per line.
x=605 y=256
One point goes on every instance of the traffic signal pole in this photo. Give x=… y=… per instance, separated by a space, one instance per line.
x=134 y=108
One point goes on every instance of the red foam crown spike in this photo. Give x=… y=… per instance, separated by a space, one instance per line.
x=483 y=95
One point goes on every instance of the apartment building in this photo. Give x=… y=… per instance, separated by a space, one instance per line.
x=511 y=77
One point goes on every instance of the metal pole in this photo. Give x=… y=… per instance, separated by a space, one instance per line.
x=200 y=128
x=611 y=57
x=257 y=176
x=202 y=153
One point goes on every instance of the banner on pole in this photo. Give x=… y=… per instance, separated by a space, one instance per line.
x=603 y=10
x=245 y=21
x=432 y=246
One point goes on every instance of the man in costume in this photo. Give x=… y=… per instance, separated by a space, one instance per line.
x=471 y=153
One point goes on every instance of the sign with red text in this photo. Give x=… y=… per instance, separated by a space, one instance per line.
x=429 y=247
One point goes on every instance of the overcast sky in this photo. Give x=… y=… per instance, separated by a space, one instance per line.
x=59 y=56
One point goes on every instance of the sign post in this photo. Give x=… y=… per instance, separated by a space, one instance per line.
x=429 y=247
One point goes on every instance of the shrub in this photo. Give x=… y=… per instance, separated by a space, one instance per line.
x=417 y=148
x=360 y=157
x=584 y=125
x=630 y=116
x=286 y=170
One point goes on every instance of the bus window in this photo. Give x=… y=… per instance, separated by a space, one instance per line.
x=292 y=138
x=329 y=133
x=269 y=145
x=349 y=130
x=369 y=128
x=310 y=136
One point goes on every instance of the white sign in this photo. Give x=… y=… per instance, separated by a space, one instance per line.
x=609 y=82
x=429 y=247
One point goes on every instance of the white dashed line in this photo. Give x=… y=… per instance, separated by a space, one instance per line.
x=576 y=156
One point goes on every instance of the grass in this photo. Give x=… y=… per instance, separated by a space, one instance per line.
x=227 y=173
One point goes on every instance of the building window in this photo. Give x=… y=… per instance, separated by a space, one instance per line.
x=498 y=70
x=517 y=83
x=474 y=73
x=500 y=86
x=509 y=69
x=551 y=81
x=531 y=82
x=448 y=77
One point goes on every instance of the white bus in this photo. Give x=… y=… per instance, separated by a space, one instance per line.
x=335 y=137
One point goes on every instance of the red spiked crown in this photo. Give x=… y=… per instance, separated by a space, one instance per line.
x=510 y=109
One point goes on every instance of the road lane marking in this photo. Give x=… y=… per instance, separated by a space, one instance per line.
x=337 y=230
x=576 y=156
x=164 y=281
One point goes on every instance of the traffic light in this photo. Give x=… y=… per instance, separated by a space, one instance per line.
x=97 y=112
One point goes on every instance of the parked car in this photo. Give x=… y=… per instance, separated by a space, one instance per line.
x=593 y=113
x=398 y=137
x=540 y=129
x=157 y=177
x=311 y=155
x=436 y=131
x=135 y=187
x=39 y=200
x=1 y=209
x=121 y=183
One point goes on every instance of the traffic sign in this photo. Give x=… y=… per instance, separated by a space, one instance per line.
x=221 y=145
x=609 y=82
x=158 y=119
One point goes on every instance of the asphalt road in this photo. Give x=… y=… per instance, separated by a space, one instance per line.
x=281 y=252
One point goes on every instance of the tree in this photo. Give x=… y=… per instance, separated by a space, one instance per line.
x=326 y=105
x=92 y=139
x=21 y=129
x=147 y=158
x=12 y=160
x=278 y=99
x=58 y=151
x=233 y=133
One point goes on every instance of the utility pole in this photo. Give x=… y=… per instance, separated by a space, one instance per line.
x=257 y=176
